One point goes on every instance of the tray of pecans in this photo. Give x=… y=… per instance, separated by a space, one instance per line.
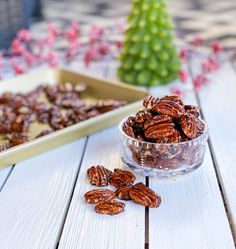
x=48 y=108
x=166 y=138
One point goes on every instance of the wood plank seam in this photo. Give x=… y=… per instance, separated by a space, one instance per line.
x=6 y=178
x=72 y=193
x=215 y=163
x=146 y=246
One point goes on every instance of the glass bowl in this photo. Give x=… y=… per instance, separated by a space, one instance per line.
x=162 y=160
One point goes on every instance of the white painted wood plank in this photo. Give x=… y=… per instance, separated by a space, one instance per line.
x=4 y=173
x=218 y=100
x=192 y=207
x=86 y=229
x=35 y=198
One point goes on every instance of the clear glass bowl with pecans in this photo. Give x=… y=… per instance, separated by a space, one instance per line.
x=165 y=139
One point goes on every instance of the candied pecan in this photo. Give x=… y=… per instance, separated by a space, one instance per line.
x=128 y=130
x=44 y=133
x=200 y=125
x=20 y=124
x=130 y=121
x=143 y=195
x=194 y=110
x=123 y=193
x=99 y=175
x=5 y=98
x=167 y=163
x=160 y=119
x=173 y=98
x=174 y=138
x=168 y=107
x=121 y=178
x=159 y=131
x=110 y=207
x=79 y=88
x=109 y=105
x=17 y=138
x=188 y=125
x=150 y=101
x=96 y=195
x=4 y=146
x=142 y=116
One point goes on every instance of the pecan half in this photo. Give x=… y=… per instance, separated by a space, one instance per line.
x=143 y=195
x=150 y=101
x=194 y=110
x=128 y=130
x=142 y=116
x=170 y=163
x=160 y=119
x=96 y=195
x=122 y=178
x=99 y=175
x=123 y=193
x=110 y=207
x=17 y=138
x=159 y=131
x=174 y=138
x=168 y=107
x=200 y=125
x=173 y=98
x=188 y=125
x=4 y=146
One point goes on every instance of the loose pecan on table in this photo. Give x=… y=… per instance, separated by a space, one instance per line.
x=143 y=195
x=99 y=175
x=123 y=193
x=121 y=178
x=97 y=195
x=110 y=207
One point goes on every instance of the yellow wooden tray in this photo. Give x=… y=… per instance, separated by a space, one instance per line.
x=97 y=89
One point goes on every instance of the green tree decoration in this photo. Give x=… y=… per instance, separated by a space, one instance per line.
x=149 y=55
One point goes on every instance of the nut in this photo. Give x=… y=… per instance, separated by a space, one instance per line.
x=173 y=98
x=168 y=107
x=110 y=207
x=143 y=195
x=194 y=110
x=150 y=101
x=174 y=138
x=128 y=130
x=99 y=175
x=142 y=116
x=200 y=125
x=159 y=131
x=160 y=119
x=188 y=125
x=121 y=178
x=96 y=195
x=123 y=193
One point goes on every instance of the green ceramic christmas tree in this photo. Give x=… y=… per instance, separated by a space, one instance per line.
x=149 y=55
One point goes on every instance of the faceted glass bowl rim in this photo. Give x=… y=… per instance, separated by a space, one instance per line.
x=202 y=136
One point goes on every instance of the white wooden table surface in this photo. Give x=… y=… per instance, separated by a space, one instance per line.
x=42 y=204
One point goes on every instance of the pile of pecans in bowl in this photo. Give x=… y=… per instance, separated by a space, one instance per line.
x=162 y=133
x=126 y=190
x=54 y=106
